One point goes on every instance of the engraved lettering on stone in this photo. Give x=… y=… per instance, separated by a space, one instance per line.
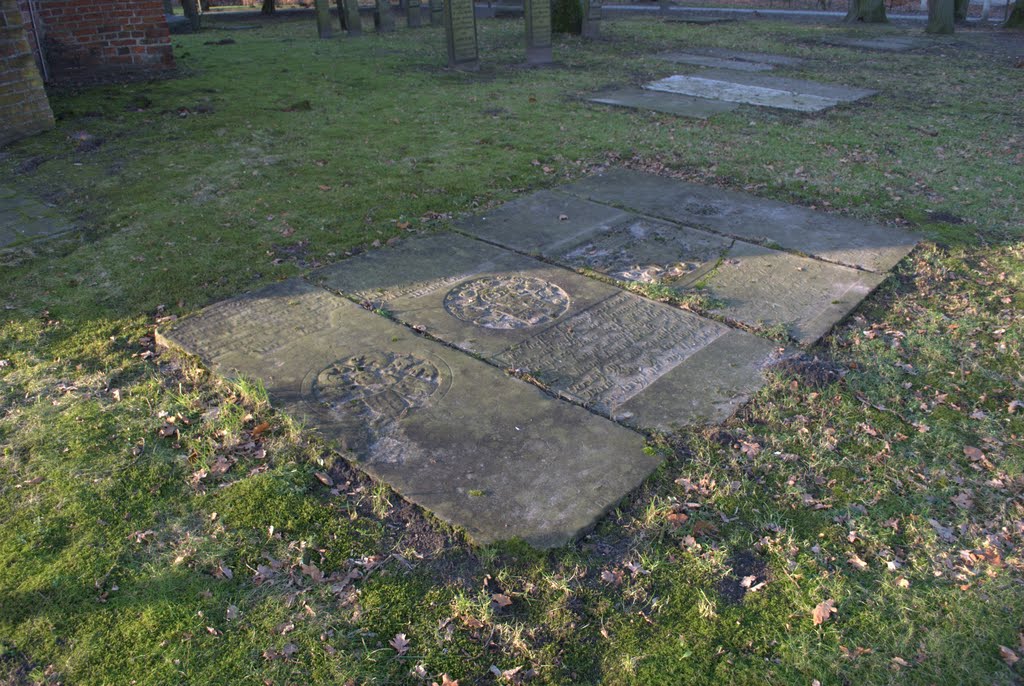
x=507 y=302
x=415 y=290
x=609 y=353
x=377 y=388
x=236 y=327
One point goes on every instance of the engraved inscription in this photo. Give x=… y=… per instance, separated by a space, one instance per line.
x=257 y=327
x=376 y=388
x=607 y=354
x=647 y=251
x=507 y=302
x=460 y=22
x=415 y=290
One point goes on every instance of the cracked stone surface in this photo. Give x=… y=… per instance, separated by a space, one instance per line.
x=585 y=341
x=830 y=237
x=670 y=103
x=483 y=451
x=23 y=218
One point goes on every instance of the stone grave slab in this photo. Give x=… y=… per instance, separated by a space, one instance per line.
x=24 y=219
x=472 y=295
x=542 y=220
x=764 y=288
x=670 y=103
x=583 y=340
x=829 y=237
x=715 y=62
x=644 y=250
x=883 y=43
x=828 y=91
x=481 y=450
x=699 y=20
x=762 y=57
x=722 y=88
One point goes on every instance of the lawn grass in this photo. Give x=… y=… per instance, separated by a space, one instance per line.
x=883 y=472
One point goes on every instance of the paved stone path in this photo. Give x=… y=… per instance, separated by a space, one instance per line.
x=420 y=397
x=23 y=218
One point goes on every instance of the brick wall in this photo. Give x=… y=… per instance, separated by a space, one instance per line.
x=24 y=109
x=91 y=41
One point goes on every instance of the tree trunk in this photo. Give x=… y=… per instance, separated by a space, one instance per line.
x=960 y=10
x=168 y=6
x=868 y=11
x=204 y=5
x=192 y=13
x=269 y=7
x=323 y=18
x=1016 y=18
x=940 y=16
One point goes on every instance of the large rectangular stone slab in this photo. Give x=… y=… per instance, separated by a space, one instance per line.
x=24 y=219
x=722 y=88
x=583 y=340
x=883 y=43
x=829 y=237
x=481 y=450
x=762 y=57
x=804 y=87
x=669 y=103
x=710 y=61
x=767 y=288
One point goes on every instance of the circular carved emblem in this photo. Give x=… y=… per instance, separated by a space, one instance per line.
x=507 y=302
x=377 y=387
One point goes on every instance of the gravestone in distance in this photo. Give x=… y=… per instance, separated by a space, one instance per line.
x=460 y=31
x=538 y=31
x=413 y=14
x=591 y=18
x=383 y=20
x=437 y=12
x=351 y=22
x=323 y=19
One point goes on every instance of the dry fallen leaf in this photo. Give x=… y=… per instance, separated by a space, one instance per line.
x=400 y=643
x=501 y=600
x=222 y=571
x=857 y=563
x=1009 y=657
x=823 y=611
x=324 y=478
x=260 y=429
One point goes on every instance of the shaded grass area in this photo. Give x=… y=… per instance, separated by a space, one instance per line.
x=161 y=526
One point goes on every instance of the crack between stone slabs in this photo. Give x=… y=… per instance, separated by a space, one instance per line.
x=771 y=245
x=648 y=434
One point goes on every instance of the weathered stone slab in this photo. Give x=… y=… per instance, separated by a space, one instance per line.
x=609 y=355
x=767 y=288
x=762 y=57
x=644 y=250
x=670 y=103
x=23 y=219
x=703 y=21
x=883 y=43
x=483 y=451
x=592 y=15
x=582 y=339
x=715 y=62
x=724 y=89
x=829 y=237
x=475 y=296
x=541 y=221
x=803 y=87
